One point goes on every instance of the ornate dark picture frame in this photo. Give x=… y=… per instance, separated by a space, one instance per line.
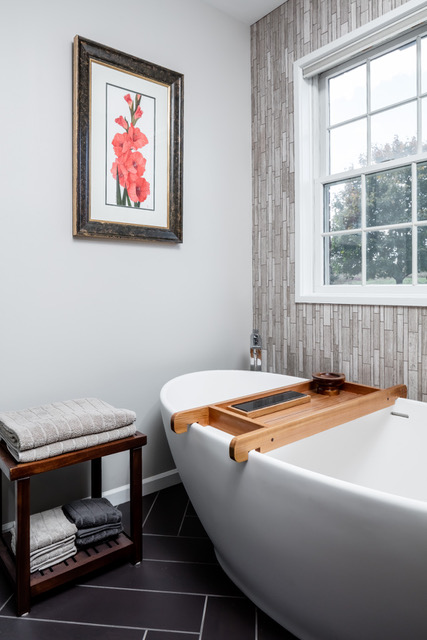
x=127 y=146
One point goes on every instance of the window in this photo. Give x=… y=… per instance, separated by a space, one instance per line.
x=361 y=199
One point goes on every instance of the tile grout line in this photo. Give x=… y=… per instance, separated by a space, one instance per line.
x=5 y=603
x=183 y=518
x=150 y=509
x=205 y=564
x=176 y=593
x=256 y=623
x=103 y=626
x=170 y=535
x=202 y=623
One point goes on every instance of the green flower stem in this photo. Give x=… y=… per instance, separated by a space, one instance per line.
x=118 y=194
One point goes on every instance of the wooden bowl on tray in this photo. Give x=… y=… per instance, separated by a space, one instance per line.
x=327 y=383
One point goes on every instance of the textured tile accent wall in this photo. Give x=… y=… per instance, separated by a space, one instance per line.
x=373 y=345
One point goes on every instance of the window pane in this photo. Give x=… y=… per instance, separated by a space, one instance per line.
x=347 y=95
x=343 y=205
x=422 y=191
x=345 y=259
x=424 y=123
x=394 y=133
x=348 y=146
x=389 y=197
x=422 y=255
x=423 y=64
x=394 y=77
x=389 y=257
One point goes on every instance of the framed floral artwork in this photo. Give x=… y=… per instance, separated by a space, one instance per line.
x=127 y=146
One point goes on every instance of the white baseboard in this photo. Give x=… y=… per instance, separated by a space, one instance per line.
x=149 y=485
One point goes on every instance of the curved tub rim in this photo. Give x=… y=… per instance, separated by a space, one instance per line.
x=337 y=483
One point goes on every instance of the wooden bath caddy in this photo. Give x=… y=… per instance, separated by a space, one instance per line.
x=286 y=419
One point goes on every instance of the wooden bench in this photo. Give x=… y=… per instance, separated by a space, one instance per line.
x=123 y=548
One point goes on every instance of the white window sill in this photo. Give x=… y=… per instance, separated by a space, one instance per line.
x=405 y=296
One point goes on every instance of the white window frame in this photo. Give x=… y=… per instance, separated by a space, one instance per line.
x=309 y=285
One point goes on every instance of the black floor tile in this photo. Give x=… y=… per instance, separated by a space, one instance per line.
x=190 y=510
x=168 y=635
x=232 y=618
x=178 y=549
x=268 y=629
x=6 y=590
x=177 y=577
x=147 y=503
x=167 y=512
x=122 y=608
x=192 y=528
x=26 y=629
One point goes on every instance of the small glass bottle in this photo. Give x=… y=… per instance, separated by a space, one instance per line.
x=256 y=346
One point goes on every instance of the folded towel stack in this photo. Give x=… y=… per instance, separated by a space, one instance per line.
x=52 y=539
x=95 y=518
x=52 y=429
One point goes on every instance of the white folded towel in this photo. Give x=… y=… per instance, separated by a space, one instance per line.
x=73 y=444
x=49 y=423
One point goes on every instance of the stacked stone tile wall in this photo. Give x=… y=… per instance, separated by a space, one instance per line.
x=372 y=345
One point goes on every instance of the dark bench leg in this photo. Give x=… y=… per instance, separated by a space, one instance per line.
x=22 y=521
x=135 y=458
x=96 y=478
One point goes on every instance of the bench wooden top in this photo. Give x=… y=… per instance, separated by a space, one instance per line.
x=15 y=470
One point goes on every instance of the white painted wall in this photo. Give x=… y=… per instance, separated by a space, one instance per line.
x=116 y=320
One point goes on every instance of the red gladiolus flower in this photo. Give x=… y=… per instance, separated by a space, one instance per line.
x=138 y=189
x=134 y=162
x=136 y=137
x=128 y=99
x=138 y=113
x=122 y=171
x=122 y=122
x=121 y=143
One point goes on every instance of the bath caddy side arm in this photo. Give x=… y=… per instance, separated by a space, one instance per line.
x=218 y=417
x=181 y=419
x=269 y=438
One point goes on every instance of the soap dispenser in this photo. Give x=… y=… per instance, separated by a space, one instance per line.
x=256 y=346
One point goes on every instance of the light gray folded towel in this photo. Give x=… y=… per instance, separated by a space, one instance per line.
x=49 y=423
x=47 y=528
x=73 y=444
x=52 y=556
x=91 y=512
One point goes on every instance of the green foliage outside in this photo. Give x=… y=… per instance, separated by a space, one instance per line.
x=388 y=202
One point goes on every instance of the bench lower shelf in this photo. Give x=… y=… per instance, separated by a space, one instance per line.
x=84 y=562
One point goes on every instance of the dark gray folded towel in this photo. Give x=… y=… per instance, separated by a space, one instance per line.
x=92 y=512
x=89 y=531
x=85 y=539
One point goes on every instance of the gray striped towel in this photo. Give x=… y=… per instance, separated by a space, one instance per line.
x=68 y=420
x=47 y=528
x=72 y=444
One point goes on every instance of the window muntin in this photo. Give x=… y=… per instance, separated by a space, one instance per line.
x=375 y=175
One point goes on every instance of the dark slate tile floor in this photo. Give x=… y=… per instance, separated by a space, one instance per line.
x=179 y=591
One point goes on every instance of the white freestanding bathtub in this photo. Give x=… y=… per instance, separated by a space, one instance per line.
x=327 y=535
